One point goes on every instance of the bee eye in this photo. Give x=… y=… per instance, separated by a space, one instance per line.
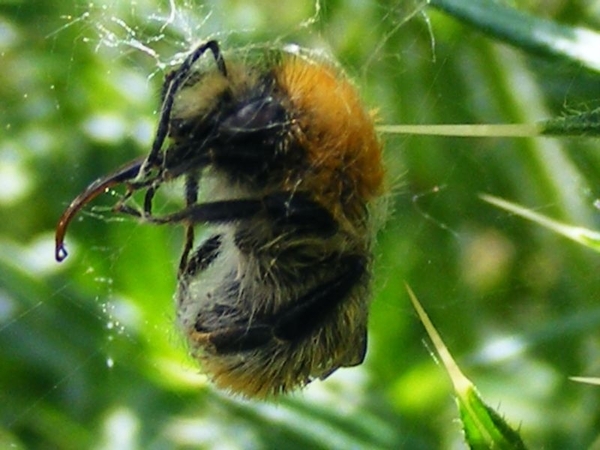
x=262 y=114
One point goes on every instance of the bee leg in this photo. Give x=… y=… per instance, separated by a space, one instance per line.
x=236 y=339
x=191 y=197
x=285 y=209
x=202 y=257
x=213 y=212
x=301 y=212
x=309 y=311
x=312 y=309
x=169 y=90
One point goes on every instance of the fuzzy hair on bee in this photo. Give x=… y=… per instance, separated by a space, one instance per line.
x=283 y=171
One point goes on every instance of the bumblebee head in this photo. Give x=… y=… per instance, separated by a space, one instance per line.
x=286 y=120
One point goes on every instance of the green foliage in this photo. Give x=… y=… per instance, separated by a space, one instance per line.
x=583 y=236
x=484 y=428
x=536 y=35
x=90 y=354
x=586 y=123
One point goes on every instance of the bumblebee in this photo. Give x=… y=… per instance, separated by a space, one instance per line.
x=282 y=168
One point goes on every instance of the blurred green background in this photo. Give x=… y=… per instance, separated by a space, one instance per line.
x=89 y=354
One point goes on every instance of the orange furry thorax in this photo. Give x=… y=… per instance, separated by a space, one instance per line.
x=335 y=130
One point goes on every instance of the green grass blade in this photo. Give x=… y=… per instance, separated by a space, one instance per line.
x=586 y=380
x=533 y=34
x=581 y=235
x=580 y=124
x=484 y=428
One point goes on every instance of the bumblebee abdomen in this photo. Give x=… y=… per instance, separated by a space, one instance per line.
x=262 y=328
